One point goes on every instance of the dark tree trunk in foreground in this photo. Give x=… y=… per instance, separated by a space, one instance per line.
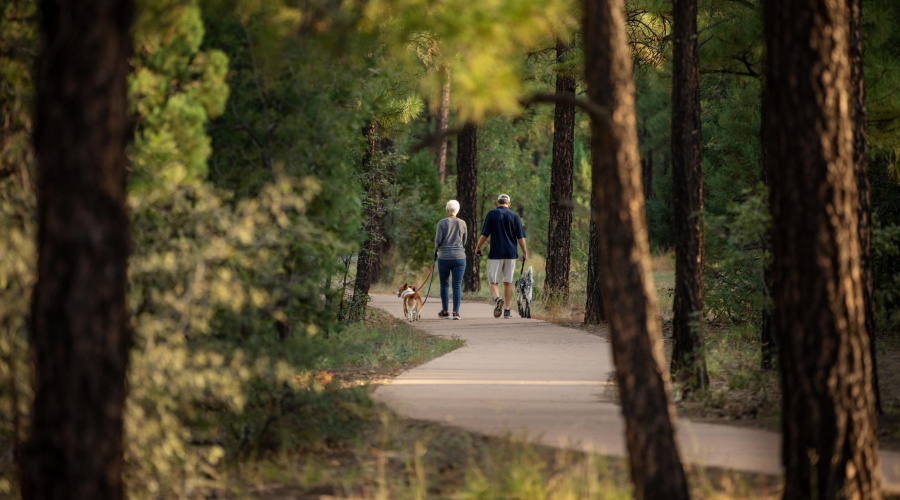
x=688 y=353
x=625 y=258
x=441 y=122
x=769 y=352
x=828 y=420
x=80 y=334
x=467 y=196
x=594 y=314
x=861 y=168
x=368 y=249
x=559 y=233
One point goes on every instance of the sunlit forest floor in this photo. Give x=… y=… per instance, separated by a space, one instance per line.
x=388 y=457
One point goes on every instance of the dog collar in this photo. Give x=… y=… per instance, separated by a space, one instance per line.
x=407 y=292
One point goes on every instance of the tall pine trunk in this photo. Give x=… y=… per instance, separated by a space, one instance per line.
x=467 y=196
x=80 y=333
x=828 y=419
x=386 y=178
x=688 y=353
x=441 y=122
x=559 y=233
x=624 y=259
x=861 y=168
x=366 y=257
x=594 y=314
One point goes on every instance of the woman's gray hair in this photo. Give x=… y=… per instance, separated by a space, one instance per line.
x=453 y=207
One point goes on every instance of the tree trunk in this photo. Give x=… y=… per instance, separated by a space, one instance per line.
x=367 y=251
x=828 y=420
x=384 y=180
x=769 y=353
x=594 y=314
x=688 y=353
x=442 y=120
x=467 y=196
x=861 y=168
x=559 y=233
x=647 y=175
x=629 y=297
x=80 y=333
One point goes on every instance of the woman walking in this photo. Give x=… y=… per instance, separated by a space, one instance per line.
x=450 y=241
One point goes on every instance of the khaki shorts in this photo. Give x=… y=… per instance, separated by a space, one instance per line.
x=501 y=270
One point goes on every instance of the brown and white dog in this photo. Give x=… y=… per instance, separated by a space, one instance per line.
x=412 y=302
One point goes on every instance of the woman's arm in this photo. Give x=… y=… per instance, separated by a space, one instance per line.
x=439 y=235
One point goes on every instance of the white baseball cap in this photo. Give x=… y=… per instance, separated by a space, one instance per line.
x=503 y=198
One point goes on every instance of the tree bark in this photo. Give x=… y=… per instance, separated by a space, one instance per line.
x=80 y=333
x=688 y=353
x=629 y=297
x=861 y=168
x=828 y=420
x=368 y=249
x=467 y=196
x=594 y=314
x=441 y=121
x=559 y=233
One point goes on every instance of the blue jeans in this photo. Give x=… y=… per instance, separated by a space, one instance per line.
x=445 y=267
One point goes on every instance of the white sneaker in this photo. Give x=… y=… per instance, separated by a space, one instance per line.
x=498 y=307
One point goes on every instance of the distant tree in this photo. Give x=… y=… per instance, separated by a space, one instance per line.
x=80 y=335
x=559 y=233
x=372 y=205
x=861 y=168
x=688 y=354
x=828 y=419
x=441 y=122
x=467 y=195
x=624 y=259
x=594 y=313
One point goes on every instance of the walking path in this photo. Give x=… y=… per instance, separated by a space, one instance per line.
x=552 y=384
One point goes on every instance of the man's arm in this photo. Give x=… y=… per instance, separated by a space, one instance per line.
x=524 y=249
x=481 y=241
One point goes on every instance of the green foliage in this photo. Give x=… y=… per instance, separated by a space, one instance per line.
x=882 y=74
x=886 y=254
x=480 y=42
x=734 y=286
x=18 y=227
x=174 y=89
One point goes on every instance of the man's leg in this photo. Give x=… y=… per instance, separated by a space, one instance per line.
x=507 y=293
x=495 y=267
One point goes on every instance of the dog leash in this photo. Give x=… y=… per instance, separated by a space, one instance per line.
x=426 y=279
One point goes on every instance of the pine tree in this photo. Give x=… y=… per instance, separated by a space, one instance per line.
x=559 y=233
x=688 y=358
x=81 y=335
x=467 y=195
x=624 y=259
x=828 y=419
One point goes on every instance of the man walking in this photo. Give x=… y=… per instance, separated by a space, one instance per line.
x=504 y=227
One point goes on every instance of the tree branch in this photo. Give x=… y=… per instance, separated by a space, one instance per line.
x=590 y=108
x=432 y=140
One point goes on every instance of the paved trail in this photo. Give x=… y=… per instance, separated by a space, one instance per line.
x=551 y=383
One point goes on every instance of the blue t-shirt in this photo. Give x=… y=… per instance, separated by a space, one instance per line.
x=504 y=228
